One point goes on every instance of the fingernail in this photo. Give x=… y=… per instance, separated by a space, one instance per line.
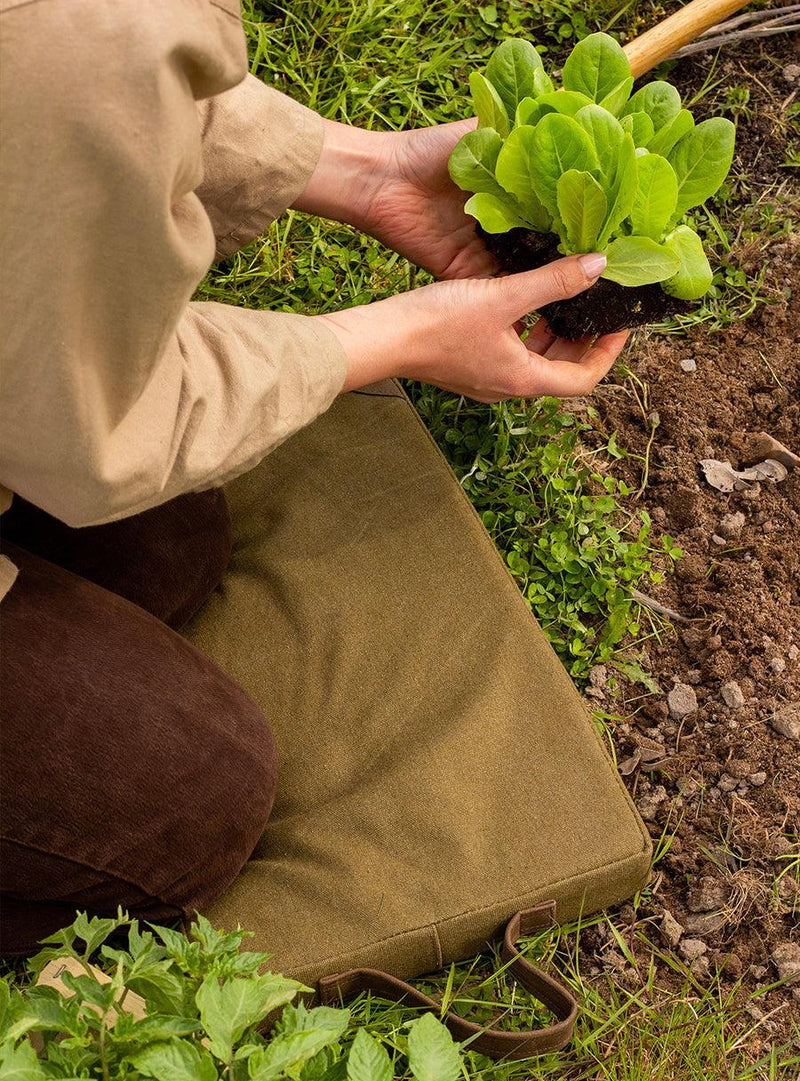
x=593 y=265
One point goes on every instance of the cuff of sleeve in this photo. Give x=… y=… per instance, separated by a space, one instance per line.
x=259 y=151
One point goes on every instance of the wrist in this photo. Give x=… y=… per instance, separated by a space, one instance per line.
x=387 y=339
x=353 y=166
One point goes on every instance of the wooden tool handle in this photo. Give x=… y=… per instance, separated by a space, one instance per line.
x=684 y=26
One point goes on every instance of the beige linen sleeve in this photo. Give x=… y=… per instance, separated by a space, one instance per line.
x=117 y=393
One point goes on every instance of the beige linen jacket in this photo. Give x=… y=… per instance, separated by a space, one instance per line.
x=132 y=150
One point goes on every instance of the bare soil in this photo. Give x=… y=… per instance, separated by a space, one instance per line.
x=723 y=779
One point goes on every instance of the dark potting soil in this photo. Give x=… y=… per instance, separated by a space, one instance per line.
x=603 y=309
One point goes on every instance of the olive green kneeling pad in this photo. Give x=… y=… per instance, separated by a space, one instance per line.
x=438 y=770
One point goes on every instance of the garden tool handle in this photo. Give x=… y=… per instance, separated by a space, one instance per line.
x=667 y=37
x=494 y=1043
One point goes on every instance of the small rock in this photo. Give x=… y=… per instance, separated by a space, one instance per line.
x=786 y=722
x=759 y=972
x=786 y=958
x=793 y=653
x=648 y=805
x=740 y=767
x=682 y=701
x=758 y=779
x=719 y=541
x=778 y=665
x=694 y=676
x=714 y=643
x=598 y=676
x=671 y=930
x=732 y=694
x=791 y=73
x=689 y=364
x=732 y=525
x=692 y=948
x=707 y=895
x=727 y=783
x=705 y=923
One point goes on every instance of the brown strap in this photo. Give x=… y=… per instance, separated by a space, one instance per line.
x=491 y=1042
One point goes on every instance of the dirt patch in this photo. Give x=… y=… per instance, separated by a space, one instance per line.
x=713 y=760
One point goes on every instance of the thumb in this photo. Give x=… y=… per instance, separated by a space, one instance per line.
x=560 y=280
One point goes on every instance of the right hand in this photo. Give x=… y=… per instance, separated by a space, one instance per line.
x=464 y=336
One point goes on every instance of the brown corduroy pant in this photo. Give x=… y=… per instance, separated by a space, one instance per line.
x=121 y=743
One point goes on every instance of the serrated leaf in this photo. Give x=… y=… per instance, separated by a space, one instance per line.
x=432 y=1053
x=489 y=108
x=472 y=162
x=655 y=198
x=368 y=1059
x=596 y=66
x=19 y=1063
x=701 y=161
x=175 y=1060
x=516 y=71
x=227 y=1009
x=300 y=1019
x=638 y=260
x=559 y=144
x=284 y=1054
x=694 y=276
x=582 y=207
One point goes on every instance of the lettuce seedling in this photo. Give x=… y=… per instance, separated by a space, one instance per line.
x=601 y=170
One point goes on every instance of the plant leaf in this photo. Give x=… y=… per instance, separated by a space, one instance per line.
x=516 y=71
x=694 y=275
x=596 y=66
x=284 y=1054
x=528 y=112
x=514 y=171
x=19 y=1063
x=432 y=1053
x=655 y=198
x=472 y=162
x=559 y=144
x=660 y=100
x=665 y=138
x=566 y=102
x=638 y=260
x=702 y=160
x=496 y=214
x=621 y=188
x=615 y=101
x=582 y=207
x=230 y=1007
x=606 y=133
x=175 y=1060
x=368 y=1059
x=640 y=126
x=488 y=104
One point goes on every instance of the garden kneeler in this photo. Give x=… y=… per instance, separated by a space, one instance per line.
x=438 y=772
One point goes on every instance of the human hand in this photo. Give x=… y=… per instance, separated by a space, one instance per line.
x=395 y=186
x=464 y=336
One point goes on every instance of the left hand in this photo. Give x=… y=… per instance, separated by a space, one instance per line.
x=419 y=212
x=395 y=186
